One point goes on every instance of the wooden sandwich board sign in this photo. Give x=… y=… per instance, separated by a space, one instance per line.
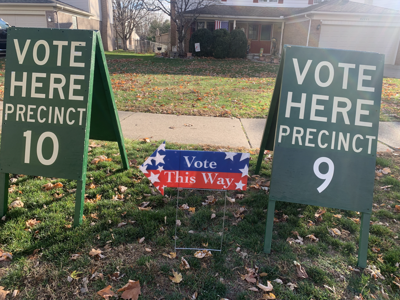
x=57 y=96
x=323 y=129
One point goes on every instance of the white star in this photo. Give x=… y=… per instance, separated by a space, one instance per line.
x=230 y=155
x=161 y=147
x=244 y=156
x=154 y=177
x=159 y=159
x=143 y=168
x=245 y=171
x=148 y=161
x=239 y=185
x=160 y=168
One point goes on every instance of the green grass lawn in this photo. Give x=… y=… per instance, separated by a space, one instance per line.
x=203 y=87
x=42 y=251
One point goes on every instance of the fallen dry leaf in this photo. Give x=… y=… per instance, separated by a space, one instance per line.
x=312 y=238
x=3 y=293
x=291 y=286
x=106 y=293
x=74 y=256
x=47 y=186
x=100 y=159
x=301 y=272
x=213 y=216
x=4 y=256
x=334 y=232
x=121 y=224
x=202 y=253
x=131 y=290
x=171 y=255
x=122 y=189
x=57 y=185
x=267 y=288
x=386 y=171
x=177 y=278
x=269 y=296
x=32 y=223
x=184 y=264
x=355 y=220
x=15 y=293
x=254 y=289
x=338 y=216
x=397 y=208
x=231 y=200
x=141 y=240
x=16 y=203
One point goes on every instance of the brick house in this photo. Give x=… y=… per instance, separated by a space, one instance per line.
x=341 y=24
x=69 y=14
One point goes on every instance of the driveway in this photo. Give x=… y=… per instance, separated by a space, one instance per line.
x=392 y=71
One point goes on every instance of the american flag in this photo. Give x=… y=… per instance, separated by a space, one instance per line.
x=197 y=169
x=221 y=25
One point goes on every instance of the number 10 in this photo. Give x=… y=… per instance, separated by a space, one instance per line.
x=327 y=176
x=39 y=147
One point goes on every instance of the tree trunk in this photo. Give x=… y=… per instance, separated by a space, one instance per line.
x=124 y=43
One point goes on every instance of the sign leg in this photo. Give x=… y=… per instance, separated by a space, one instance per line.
x=260 y=157
x=124 y=157
x=270 y=224
x=79 y=201
x=4 y=178
x=363 y=246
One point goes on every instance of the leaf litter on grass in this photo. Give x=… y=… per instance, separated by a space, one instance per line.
x=120 y=247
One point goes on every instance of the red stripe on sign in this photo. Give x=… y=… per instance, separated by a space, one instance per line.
x=203 y=180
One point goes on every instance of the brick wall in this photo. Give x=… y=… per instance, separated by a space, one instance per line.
x=296 y=33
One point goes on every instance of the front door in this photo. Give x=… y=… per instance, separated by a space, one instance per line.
x=260 y=36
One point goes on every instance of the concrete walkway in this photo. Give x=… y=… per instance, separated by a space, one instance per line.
x=225 y=132
x=242 y=133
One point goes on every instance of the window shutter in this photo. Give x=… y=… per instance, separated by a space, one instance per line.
x=223 y=0
x=280 y=2
x=310 y=1
x=255 y=1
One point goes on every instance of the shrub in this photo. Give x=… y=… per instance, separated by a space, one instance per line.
x=238 y=44
x=220 y=46
x=205 y=38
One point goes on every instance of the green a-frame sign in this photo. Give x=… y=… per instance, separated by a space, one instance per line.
x=323 y=128
x=57 y=96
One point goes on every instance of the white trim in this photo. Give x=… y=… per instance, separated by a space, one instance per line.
x=280 y=48
x=49 y=5
x=355 y=23
x=344 y=13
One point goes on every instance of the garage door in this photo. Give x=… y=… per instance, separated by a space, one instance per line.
x=25 y=20
x=383 y=40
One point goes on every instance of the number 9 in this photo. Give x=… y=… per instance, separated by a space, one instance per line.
x=327 y=176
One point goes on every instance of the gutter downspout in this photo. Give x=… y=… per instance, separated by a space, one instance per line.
x=309 y=28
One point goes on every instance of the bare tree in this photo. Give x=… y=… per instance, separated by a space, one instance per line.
x=183 y=13
x=127 y=16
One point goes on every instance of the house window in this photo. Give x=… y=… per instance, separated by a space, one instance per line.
x=211 y=26
x=74 y=23
x=201 y=25
x=253 y=32
x=265 y=33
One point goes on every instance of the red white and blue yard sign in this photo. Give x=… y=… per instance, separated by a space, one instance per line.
x=197 y=169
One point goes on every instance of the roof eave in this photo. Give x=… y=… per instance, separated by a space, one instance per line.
x=55 y=5
x=341 y=13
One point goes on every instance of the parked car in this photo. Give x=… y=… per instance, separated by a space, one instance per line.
x=3 y=35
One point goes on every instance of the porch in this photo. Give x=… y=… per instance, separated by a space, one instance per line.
x=260 y=35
